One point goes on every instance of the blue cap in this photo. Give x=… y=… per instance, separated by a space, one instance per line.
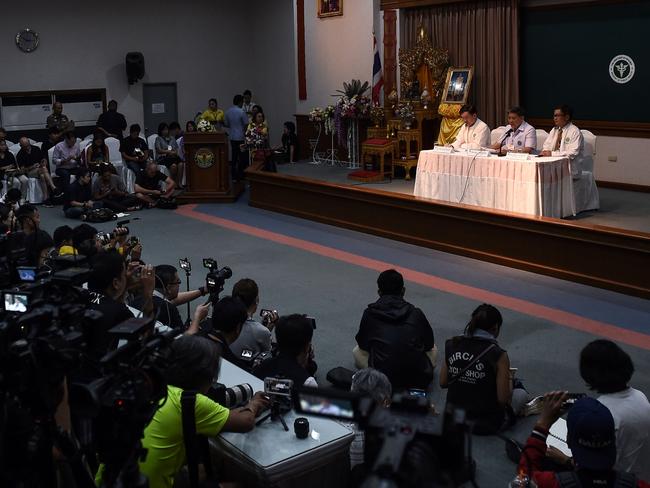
x=591 y=434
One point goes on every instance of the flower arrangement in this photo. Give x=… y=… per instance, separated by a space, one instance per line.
x=325 y=116
x=205 y=126
x=406 y=113
x=316 y=115
x=256 y=136
x=377 y=114
x=352 y=104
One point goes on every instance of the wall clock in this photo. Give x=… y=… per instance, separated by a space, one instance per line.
x=27 y=40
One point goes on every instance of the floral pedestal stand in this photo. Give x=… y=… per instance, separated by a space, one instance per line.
x=313 y=144
x=353 y=144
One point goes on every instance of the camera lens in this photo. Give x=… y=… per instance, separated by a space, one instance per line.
x=301 y=427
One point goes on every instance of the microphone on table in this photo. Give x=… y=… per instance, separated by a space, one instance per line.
x=505 y=136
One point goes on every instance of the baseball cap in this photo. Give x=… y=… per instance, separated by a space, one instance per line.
x=591 y=434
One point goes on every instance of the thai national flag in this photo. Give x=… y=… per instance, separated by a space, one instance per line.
x=377 y=76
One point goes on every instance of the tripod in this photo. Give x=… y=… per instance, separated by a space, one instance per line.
x=276 y=413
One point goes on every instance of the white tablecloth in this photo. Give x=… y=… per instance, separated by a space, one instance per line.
x=539 y=186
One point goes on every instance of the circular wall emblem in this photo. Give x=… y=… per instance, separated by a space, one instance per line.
x=204 y=158
x=621 y=68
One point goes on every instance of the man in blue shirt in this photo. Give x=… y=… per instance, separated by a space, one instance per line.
x=236 y=121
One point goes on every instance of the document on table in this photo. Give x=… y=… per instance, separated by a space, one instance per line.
x=557 y=437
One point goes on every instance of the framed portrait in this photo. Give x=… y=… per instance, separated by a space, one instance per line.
x=457 y=85
x=329 y=8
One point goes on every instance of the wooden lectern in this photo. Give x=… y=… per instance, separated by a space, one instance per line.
x=207 y=170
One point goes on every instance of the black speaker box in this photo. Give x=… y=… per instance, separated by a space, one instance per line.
x=134 y=67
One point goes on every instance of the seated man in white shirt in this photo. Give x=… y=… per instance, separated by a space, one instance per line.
x=565 y=139
x=520 y=135
x=475 y=133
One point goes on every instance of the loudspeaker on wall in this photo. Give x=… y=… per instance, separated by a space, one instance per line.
x=134 y=67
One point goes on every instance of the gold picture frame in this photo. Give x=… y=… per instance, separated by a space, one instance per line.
x=329 y=8
x=457 y=85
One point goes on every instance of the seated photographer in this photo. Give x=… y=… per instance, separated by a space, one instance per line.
x=395 y=337
x=166 y=298
x=108 y=284
x=195 y=364
x=608 y=369
x=254 y=337
x=295 y=352
x=28 y=218
x=477 y=373
x=39 y=244
x=111 y=191
x=228 y=317
x=63 y=240
x=591 y=436
x=148 y=185
x=134 y=150
x=78 y=198
x=374 y=384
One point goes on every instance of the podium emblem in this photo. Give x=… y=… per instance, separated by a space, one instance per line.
x=204 y=158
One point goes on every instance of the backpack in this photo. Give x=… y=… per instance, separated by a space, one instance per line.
x=569 y=479
x=100 y=215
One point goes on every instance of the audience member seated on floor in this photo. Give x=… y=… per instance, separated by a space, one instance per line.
x=112 y=123
x=565 y=139
x=395 y=337
x=166 y=299
x=608 y=369
x=96 y=153
x=374 y=384
x=477 y=373
x=38 y=244
x=148 y=186
x=295 y=352
x=53 y=138
x=520 y=136
x=591 y=436
x=28 y=218
x=228 y=317
x=63 y=240
x=134 y=150
x=474 y=134
x=58 y=119
x=167 y=153
x=33 y=164
x=108 y=286
x=109 y=189
x=195 y=364
x=213 y=114
x=79 y=199
x=255 y=337
x=67 y=157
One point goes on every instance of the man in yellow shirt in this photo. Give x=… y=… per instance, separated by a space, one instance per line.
x=196 y=362
x=213 y=114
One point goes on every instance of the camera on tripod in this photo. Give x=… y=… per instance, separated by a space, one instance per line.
x=216 y=278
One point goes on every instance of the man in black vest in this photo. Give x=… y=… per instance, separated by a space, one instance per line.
x=295 y=353
x=395 y=337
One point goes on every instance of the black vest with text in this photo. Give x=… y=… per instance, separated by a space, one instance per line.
x=476 y=389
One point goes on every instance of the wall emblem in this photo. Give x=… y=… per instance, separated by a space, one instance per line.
x=621 y=68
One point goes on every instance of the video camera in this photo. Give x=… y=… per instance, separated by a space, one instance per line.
x=216 y=278
x=406 y=445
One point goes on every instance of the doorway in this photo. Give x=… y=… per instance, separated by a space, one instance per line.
x=160 y=105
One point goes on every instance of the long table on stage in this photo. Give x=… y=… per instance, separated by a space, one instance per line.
x=540 y=186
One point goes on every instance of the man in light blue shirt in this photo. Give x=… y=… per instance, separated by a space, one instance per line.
x=520 y=136
x=236 y=121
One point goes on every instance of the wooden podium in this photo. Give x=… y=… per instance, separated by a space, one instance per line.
x=207 y=170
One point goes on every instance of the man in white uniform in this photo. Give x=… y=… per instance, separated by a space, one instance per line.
x=565 y=139
x=475 y=133
x=520 y=136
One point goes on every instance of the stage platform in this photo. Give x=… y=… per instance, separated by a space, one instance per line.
x=609 y=248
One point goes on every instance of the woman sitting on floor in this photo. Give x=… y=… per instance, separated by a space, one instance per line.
x=477 y=373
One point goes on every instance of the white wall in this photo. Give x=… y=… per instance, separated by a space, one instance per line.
x=337 y=49
x=633 y=160
x=207 y=47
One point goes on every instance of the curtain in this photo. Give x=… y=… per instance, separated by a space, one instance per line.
x=482 y=34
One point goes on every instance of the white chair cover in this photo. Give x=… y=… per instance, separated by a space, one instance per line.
x=151 y=141
x=14 y=149
x=497 y=134
x=542 y=135
x=584 y=188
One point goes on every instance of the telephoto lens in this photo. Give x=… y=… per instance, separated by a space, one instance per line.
x=301 y=427
x=235 y=396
